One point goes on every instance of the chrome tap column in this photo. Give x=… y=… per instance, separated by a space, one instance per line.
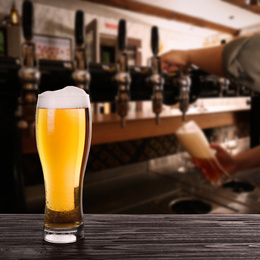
x=29 y=73
x=156 y=80
x=80 y=75
x=224 y=85
x=184 y=83
x=122 y=77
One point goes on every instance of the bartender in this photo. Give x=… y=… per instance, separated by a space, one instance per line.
x=238 y=61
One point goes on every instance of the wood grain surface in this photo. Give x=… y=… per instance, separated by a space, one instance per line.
x=137 y=237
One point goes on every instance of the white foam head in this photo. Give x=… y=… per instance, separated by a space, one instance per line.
x=194 y=141
x=68 y=97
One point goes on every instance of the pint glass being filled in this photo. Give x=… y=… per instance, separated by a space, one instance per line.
x=195 y=143
x=63 y=131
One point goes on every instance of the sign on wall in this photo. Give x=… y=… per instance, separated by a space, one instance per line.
x=52 y=48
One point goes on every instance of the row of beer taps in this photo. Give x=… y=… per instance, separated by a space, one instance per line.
x=30 y=74
x=156 y=80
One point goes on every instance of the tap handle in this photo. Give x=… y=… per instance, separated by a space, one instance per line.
x=27 y=20
x=79 y=28
x=122 y=35
x=155 y=40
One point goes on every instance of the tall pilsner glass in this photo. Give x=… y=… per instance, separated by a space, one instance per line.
x=63 y=132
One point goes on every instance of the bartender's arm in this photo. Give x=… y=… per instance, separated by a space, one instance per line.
x=243 y=161
x=208 y=59
x=237 y=60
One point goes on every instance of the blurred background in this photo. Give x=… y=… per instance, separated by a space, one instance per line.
x=136 y=164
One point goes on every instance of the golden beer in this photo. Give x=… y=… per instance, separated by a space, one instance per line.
x=63 y=141
x=195 y=143
x=210 y=169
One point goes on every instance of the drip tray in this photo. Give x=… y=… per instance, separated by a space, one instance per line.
x=239 y=186
x=190 y=206
x=182 y=202
x=191 y=194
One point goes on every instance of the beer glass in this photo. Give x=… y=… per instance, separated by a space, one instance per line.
x=63 y=133
x=196 y=144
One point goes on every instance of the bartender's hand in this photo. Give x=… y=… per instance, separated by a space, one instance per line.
x=207 y=59
x=226 y=160
x=175 y=60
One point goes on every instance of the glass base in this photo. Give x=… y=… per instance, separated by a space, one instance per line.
x=63 y=236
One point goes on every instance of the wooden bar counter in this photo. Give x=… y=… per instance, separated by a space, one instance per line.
x=106 y=128
x=137 y=237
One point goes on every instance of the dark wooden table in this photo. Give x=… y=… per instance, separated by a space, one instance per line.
x=137 y=237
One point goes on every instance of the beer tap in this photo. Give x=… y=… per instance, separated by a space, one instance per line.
x=156 y=80
x=122 y=77
x=223 y=82
x=224 y=85
x=29 y=73
x=80 y=75
x=183 y=82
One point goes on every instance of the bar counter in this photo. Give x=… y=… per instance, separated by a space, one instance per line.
x=137 y=237
x=106 y=128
